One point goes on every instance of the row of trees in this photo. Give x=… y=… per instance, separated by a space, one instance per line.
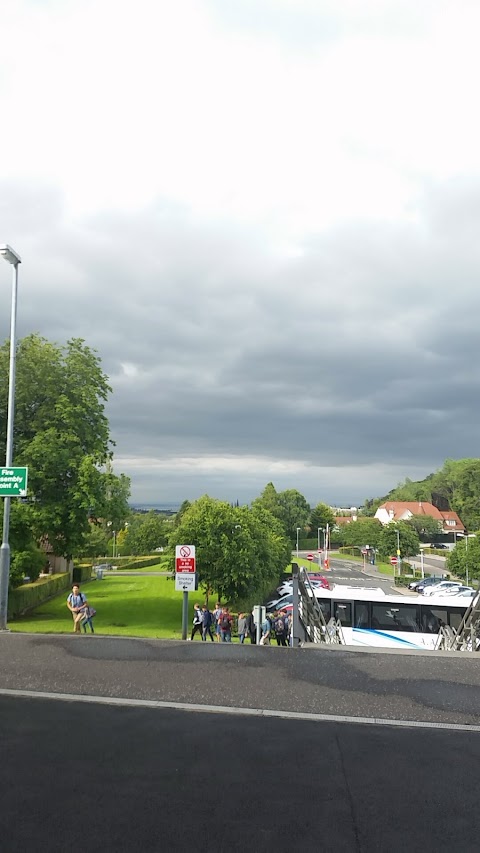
x=61 y=433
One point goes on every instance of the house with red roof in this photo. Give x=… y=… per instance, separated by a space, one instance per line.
x=448 y=521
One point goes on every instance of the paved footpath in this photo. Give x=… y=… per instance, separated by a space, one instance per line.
x=99 y=753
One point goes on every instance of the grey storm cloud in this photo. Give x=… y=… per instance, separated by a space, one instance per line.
x=358 y=351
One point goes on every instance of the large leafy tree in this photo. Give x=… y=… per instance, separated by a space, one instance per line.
x=320 y=516
x=145 y=533
x=241 y=552
x=364 y=531
x=426 y=526
x=407 y=537
x=61 y=432
x=464 y=560
x=289 y=507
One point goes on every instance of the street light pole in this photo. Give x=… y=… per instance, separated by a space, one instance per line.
x=298 y=531
x=399 y=560
x=12 y=258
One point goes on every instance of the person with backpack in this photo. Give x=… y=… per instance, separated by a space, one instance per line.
x=197 y=621
x=216 y=616
x=77 y=604
x=207 y=618
x=225 y=622
x=280 y=628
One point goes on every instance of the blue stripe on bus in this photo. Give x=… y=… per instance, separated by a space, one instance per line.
x=388 y=637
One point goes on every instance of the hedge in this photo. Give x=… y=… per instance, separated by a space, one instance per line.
x=30 y=595
x=140 y=562
x=81 y=574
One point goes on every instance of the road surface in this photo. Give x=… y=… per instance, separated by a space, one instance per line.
x=125 y=744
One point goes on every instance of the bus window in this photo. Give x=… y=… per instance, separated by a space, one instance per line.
x=432 y=619
x=325 y=607
x=343 y=612
x=394 y=617
x=456 y=616
x=361 y=614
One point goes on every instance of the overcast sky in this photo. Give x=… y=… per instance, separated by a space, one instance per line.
x=265 y=216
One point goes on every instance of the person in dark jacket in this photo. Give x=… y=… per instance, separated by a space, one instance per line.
x=207 y=618
x=197 y=620
x=251 y=628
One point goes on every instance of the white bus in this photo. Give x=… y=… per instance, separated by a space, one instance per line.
x=371 y=617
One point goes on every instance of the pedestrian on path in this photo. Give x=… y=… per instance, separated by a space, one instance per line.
x=226 y=626
x=77 y=604
x=207 y=619
x=197 y=621
x=241 y=627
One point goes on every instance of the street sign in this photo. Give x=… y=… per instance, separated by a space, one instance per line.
x=393 y=561
x=185 y=559
x=13 y=482
x=309 y=556
x=185 y=582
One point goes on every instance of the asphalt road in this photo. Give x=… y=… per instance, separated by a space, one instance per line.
x=92 y=778
x=94 y=768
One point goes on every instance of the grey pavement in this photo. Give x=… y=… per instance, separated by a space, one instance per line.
x=435 y=687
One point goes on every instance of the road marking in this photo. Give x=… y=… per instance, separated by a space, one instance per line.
x=225 y=709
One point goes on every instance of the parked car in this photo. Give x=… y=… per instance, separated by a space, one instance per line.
x=453 y=591
x=426 y=582
x=278 y=603
x=465 y=594
x=440 y=588
x=439 y=546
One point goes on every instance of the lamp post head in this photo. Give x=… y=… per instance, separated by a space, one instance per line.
x=10 y=255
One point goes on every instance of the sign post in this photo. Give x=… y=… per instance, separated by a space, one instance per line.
x=185 y=578
x=393 y=561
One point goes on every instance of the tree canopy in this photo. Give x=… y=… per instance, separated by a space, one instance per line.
x=289 y=507
x=241 y=552
x=61 y=433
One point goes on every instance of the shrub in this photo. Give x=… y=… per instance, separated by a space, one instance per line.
x=26 y=563
x=31 y=595
x=81 y=574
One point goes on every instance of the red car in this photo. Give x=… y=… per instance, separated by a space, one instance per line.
x=315 y=576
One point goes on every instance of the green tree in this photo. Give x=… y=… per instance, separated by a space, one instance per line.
x=61 y=433
x=240 y=551
x=408 y=538
x=289 y=507
x=364 y=531
x=464 y=560
x=320 y=516
x=145 y=533
x=426 y=526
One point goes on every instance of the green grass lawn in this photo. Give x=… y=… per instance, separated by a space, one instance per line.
x=127 y=606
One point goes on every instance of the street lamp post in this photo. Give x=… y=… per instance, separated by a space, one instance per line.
x=399 y=559
x=298 y=531
x=12 y=258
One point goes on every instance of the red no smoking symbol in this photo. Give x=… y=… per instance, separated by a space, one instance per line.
x=184 y=551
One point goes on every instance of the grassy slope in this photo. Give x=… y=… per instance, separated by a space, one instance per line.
x=129 y=606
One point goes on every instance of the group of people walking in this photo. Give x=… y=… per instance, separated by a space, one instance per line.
x=219 y=624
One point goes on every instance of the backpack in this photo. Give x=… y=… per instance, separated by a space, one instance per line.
x=279 y=626
x=225 y=623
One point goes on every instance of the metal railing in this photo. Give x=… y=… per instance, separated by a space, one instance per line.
x=309 y=623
